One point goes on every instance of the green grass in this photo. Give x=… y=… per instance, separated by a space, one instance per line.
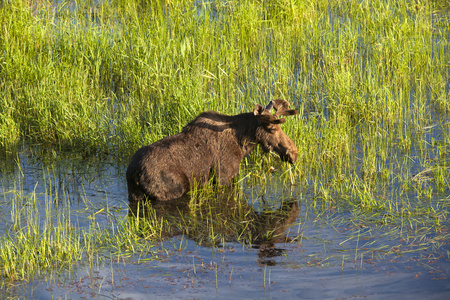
x=369 y=78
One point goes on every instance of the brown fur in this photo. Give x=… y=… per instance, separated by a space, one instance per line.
x=212 y=142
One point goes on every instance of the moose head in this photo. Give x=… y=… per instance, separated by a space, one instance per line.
x=269 y=135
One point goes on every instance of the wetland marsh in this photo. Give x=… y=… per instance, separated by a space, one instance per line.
x=362 y=213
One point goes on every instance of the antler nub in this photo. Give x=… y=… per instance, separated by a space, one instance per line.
x=269 y=106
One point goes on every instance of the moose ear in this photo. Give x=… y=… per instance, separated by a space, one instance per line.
x=258 y=110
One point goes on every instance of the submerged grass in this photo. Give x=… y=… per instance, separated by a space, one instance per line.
x=370 y=79
x=43 y=236
x=32 y=246
x=36 y=242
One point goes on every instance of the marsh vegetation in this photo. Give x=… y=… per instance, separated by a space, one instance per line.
x=84 y=84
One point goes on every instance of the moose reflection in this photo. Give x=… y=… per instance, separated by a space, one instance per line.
x=224 y=217
x=211 y=145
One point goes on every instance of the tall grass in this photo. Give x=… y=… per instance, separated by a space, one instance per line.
x=113 y=75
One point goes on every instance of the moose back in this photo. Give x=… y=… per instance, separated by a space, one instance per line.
x=212 y=144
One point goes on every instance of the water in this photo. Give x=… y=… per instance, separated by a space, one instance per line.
x=237 y=273
x=326 y=254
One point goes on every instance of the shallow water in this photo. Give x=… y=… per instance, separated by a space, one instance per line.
x=199 y=272
x=327 y=256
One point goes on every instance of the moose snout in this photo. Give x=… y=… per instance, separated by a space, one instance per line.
x=290 y=155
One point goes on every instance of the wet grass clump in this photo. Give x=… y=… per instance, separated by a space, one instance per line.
x=33 y=246
x=45 y=232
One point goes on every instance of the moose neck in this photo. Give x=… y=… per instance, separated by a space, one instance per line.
x=245 y=127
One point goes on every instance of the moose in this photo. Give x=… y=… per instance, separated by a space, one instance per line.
x=212 y=144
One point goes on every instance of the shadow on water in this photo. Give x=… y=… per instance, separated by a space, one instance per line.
x=223 y=218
